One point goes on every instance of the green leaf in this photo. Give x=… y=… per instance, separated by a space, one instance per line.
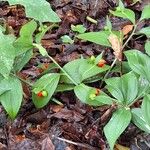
x=66 y=39
x=40 y=11
x=124 y=88
x=145 y=12
x=139 y=63
x=108 y=24
x=145 y=31
x=7 y=54
x=24 y=42
x=147 y=47
x=125 y=13
x=42 y=50
x=146 y=108
x=117 y=124
x=139 y=121
x=64 y=87
x=81 y=69
x=22 y=60
x=11 y=100
x=78 y=28
x=48 y=83
x=84 y=93
x=143 y=87
x=96 y=37
x=121 y=5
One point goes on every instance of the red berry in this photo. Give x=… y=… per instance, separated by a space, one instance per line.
x=101 y=63
x=39 y=94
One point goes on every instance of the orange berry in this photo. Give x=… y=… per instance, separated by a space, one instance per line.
x=101 y=63
x=46 y=65
x=97 y=92
x=39 y=94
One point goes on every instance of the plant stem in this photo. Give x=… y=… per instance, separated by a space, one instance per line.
x=54 y=61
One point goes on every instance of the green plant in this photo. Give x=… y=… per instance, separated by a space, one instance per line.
x=122 y=92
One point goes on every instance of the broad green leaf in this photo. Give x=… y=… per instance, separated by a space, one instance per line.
x=48 y=83
x=117 y=124
x=24 y=42
x=124 y=88
x=66 y=39
x=41 y=49
x=145 y=31
x=139 y=121
x=3 y=88
x=139 y=63
x=147 y=47
x=145 y=12
x=124 y=68
x=96 y=37
x=64 y=87
x=78 y=28
x=81 y=69
x=143 y=87
x=22 y=60
x=146 y=108
x=40 y=11
x=125 y=13
x=84 y=94
x=11 y=100
x=7 y=53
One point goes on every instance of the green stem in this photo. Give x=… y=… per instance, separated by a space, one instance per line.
x=54 y=61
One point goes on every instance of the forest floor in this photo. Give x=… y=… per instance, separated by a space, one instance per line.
x=71 y=125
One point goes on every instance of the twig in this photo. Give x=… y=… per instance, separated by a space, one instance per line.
x=75 y=143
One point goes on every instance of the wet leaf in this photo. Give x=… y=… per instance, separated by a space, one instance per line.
x=67 y=39
x=145 y=31
x=78 y=28
x=11 y=100
x=81 y=69
x=24 y=42
x=147 y=47
x=48 y=83
x=139 y=121
x=117 y=124
x=7 y=53
x=41 y=12
x=124 y=88
x=139 y=63
x=84 y=93
x=96 y=37
x=146 y=108
x=145 y=12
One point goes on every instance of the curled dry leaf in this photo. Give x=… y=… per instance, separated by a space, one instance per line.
x=116 y=46
x=126 y=29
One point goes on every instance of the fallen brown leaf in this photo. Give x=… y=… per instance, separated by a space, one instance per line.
x=126 y=29
x=116 y=46
x=120 y=147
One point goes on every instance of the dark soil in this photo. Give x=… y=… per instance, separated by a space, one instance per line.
x=73 y=125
